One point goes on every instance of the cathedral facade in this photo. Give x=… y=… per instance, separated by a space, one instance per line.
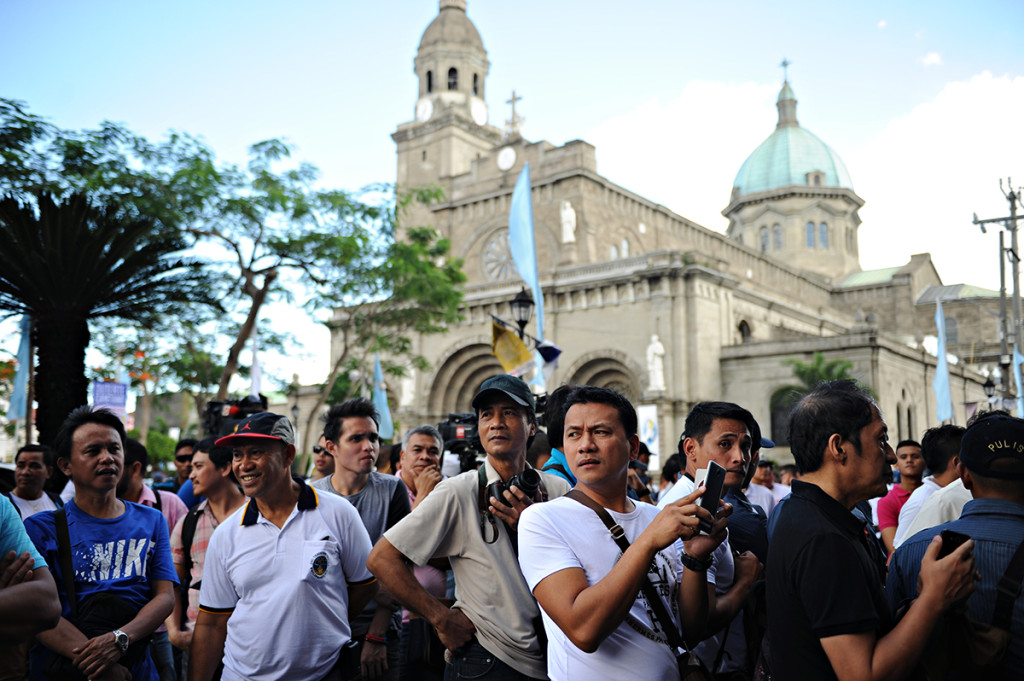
x=621 y=273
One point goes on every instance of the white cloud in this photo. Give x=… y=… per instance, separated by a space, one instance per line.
x=685 y=153
x=925 y=174
x=931 y=59
x=882 y=23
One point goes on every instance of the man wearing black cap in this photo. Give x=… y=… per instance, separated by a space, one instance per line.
x=492 y=628
x=992 y=468
x=284 y=574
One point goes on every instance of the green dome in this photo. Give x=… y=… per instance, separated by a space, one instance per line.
x=788 y=155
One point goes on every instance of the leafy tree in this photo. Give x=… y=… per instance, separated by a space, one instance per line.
x=784 y=398
x=67 y=261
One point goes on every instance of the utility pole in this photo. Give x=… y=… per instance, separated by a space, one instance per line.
x=1010 y=224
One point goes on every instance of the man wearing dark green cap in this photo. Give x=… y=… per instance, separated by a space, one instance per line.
x=492 y=629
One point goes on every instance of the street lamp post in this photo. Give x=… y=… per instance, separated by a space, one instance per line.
x=990 y=390
x=522 y=310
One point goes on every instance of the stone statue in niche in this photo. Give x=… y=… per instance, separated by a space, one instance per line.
x=655 y=365
x=568 y=223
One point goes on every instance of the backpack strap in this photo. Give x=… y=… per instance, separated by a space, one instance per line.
x=188 y=534
x=60 y=519
x=159 y=503
x=1009 y=590
x=55 y=498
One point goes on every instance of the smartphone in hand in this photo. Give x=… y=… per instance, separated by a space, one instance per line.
x=950 y=542
x=713 y=478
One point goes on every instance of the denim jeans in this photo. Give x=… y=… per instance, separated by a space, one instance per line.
x=473 y=661
x=163 y=659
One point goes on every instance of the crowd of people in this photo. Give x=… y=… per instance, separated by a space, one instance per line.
x=568 y=565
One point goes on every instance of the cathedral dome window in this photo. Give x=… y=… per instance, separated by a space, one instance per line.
x=453 y=79
x=809 y=230
x=430 y=81
x=763 y=234
x=744 y=329
x=777 y=237
x=823 y=236
x=476 y=84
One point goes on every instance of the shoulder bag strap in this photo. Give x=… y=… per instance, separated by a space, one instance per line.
x=60 y=519
x=1009 y=590
x=619 y=535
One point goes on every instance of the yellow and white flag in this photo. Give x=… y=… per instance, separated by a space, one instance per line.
x=511 y=351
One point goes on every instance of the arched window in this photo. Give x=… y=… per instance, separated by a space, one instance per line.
x=453 y=79
x=613 y=253
x=430 y=81
x=476 y=84
x=625 y=248
x=764 y=239
x=810 y=234
x=823 y=236
x=952 y=331
x=744 y=330
x=780 y=424
x=777 y=237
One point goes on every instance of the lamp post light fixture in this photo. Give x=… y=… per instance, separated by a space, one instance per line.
x=295 y=413
x=522 y=310
x=990 y=389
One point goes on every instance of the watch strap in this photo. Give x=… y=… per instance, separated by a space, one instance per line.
x=695 y=564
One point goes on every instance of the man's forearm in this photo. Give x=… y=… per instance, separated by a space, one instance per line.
x=386 y=607
x=63 y=638
x=153 y=613
x=30 y=607
x=693 y=604
x=390 y=567
x=207 y=645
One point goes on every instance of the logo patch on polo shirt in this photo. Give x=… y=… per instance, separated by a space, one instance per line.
x=318 y=566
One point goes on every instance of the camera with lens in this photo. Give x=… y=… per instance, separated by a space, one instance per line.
x=459 y=432
x=528 y=481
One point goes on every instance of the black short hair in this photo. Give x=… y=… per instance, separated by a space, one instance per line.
x=219 y=456
x=357 y=407
x=186 y=442
x=48 y=458
x=588 y=394
x=788 y=468
x=703 y=415
x=136 y=451
x=833 y=407
x=766 y=463
x=908 y=443
x=554 y=414
x=939 y=445
x=672 y=468
x=79 y=417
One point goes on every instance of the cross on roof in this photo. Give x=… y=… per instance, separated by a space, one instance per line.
x=785 y=69
x=513 y=123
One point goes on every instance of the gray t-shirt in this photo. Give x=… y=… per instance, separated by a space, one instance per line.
x=381 y=503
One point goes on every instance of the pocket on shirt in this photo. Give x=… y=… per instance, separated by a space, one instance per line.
x=320 y=559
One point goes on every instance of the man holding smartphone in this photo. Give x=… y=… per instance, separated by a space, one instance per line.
x=718 y=432
x=992 y=468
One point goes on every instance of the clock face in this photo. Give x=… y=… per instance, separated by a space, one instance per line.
x=479 y=111
x=506 y=158
x=424 y=110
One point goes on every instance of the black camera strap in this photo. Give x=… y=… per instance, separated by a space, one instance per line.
x=60 y=519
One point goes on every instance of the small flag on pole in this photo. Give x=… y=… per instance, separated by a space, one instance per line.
x=511 y=351
x=17 y=408
x=256 y=374
x=943 y=399
x=386 y=429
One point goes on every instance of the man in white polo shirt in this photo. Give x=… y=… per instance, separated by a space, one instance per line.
x=283 y=574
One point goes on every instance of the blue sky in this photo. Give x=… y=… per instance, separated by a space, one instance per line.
x=922 y=100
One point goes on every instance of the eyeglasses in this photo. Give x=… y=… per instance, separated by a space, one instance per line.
x=320 y=450
x=184 y=458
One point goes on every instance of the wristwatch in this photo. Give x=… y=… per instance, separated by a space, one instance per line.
x=695 y=564
x=121 y=639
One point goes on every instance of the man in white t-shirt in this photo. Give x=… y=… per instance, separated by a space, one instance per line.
x=597 y=624
x=940 y=448
x=764 y=489
x=33 y=466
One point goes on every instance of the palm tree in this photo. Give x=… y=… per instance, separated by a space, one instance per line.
x=66 y=261
x=810 y=375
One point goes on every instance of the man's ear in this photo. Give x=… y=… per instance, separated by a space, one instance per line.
x=834 y=448
x=288 y=455
x=65 y=466
x=965 y=475
x=690 y=448
x=634 y=447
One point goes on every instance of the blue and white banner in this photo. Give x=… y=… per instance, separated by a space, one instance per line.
x=386 y=429
x=17 y=408
x=943 y=399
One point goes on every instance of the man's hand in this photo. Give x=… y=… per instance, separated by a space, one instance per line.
x=455 y=630
x=97 y=655
x=374 y=660
x=948 y=580
x=748 y=568
x=678 y=520
x=426 y=481
x=516 y=503
x=182 y=640
x=634 y=483
x=16 y=569
x=701 y=546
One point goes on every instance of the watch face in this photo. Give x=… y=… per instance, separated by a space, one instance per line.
x=506 y=158
x=479 y=111
x=424 y=110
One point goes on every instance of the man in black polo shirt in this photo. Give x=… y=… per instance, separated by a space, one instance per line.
x=828 y=617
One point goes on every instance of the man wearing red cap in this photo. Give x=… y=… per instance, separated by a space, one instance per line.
x=284 y=574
